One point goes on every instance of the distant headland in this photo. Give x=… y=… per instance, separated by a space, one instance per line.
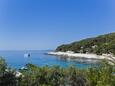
x=100 y=47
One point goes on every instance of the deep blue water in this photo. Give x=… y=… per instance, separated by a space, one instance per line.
x=17 y=60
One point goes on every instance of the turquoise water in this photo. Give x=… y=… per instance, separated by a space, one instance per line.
x=17 y=60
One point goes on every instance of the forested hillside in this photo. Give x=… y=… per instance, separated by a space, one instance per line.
x=100 y=44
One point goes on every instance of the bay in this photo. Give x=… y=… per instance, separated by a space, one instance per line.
x=17 y=60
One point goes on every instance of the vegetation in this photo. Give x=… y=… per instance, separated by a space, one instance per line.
x=101 y=75
x=7 y=77
x=99 y=45
x=56 y=76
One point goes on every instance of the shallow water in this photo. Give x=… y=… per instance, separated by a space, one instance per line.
x=17 y=60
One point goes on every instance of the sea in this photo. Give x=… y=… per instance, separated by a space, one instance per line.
x=16 y=59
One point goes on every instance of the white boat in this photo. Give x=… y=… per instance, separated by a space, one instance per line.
x=27 y=55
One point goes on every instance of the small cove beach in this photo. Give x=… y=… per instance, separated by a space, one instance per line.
x=70 y=54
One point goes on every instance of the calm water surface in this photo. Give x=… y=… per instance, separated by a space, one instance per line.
x=17 y=60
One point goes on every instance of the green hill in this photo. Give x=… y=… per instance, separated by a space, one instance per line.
x=100 y=44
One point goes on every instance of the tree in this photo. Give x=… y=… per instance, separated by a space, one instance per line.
x=7 y=77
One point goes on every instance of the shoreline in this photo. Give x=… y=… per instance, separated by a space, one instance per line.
x=70 y=54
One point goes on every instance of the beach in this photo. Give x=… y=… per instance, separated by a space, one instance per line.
x=70 y=54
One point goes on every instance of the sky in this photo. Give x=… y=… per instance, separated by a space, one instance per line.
x=46 y=24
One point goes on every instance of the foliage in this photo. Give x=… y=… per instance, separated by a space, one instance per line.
x=100 y=75
x=7 y=77
x=99 y=45
x=3 y=65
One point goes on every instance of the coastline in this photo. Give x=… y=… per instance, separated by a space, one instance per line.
x=70 y=54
